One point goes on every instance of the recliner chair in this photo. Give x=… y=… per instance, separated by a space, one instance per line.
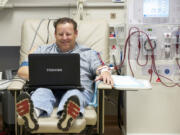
x=35 y=32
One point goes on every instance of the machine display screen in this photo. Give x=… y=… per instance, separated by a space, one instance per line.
x=156 y=8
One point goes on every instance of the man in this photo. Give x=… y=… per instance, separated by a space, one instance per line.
x=71 y=103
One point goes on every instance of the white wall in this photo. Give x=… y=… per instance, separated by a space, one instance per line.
x=12 y=19
x=12 y=16
x=156 y=111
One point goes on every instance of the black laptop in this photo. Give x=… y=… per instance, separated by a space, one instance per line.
x=56 y=71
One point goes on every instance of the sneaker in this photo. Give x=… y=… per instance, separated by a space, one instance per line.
x=69 y=114
x=25 y=109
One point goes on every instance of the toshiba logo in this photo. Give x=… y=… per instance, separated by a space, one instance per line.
x=54 y=70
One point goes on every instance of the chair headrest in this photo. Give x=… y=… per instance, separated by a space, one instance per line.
x=91 y=33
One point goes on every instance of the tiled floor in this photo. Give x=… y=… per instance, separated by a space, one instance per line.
x=111 y=126
x=109 y=129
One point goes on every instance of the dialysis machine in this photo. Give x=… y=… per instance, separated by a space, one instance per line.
x=153 y=53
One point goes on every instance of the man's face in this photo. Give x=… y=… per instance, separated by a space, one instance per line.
x=65 y=36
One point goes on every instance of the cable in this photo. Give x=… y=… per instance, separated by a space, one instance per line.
x=139 y=50
x=37 y=29
x=177 y=61
x=151 y=72
x=129 y=47
x=114 y=61
x=94 y=100
x=177 y=42
x=177 y=48
x=48 y=31
x=121 y=57
x=137 y=59
x=80 y=9
x=34 y=38
x=99 y=56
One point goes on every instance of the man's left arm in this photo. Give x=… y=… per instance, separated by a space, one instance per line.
x=104 y=74
x=99 y=69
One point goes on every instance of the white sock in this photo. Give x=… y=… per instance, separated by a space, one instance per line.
x=37 y=111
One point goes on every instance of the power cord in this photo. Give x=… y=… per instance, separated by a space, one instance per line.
x=118 y=70
x=34 y=38
x=47 y=41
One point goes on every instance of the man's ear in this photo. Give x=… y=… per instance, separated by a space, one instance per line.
x=76 y=32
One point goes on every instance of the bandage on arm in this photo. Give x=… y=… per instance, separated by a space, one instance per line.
x=103 y=69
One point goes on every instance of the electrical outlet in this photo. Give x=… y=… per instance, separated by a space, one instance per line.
x=113 y=15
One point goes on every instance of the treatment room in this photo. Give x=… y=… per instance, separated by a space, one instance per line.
x=89 y=67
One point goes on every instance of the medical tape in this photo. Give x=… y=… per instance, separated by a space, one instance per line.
x=103 y=69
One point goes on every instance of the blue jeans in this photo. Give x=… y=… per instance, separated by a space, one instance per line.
x=46 y=99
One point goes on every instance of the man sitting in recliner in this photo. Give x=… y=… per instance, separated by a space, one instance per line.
x=71 y=103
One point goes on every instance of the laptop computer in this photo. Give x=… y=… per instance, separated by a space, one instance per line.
x=56 y=71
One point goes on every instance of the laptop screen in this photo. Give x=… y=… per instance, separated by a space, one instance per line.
x=54 y=69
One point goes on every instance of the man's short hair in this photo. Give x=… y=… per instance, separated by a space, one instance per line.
x=65 y=20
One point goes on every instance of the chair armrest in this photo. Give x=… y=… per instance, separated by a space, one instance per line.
x=103 y=86
x=16 y=84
